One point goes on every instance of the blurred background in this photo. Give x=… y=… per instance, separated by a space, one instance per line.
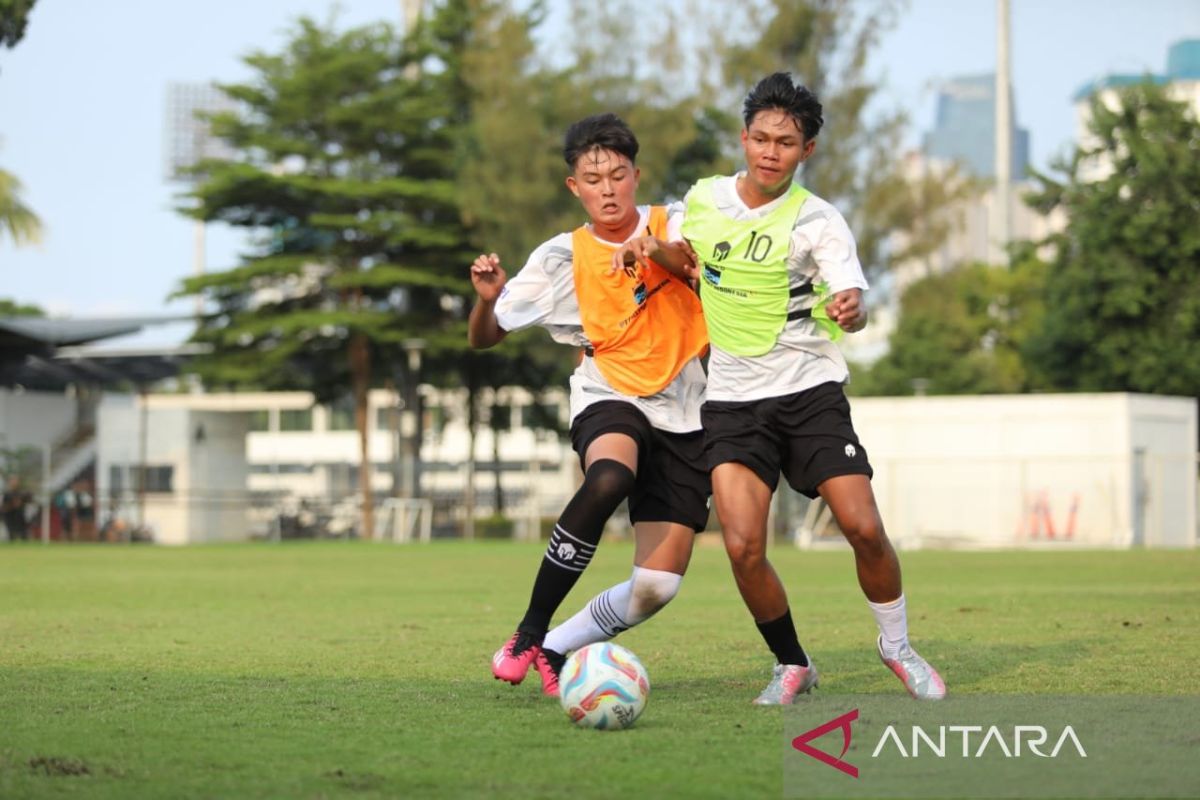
x=234 y=241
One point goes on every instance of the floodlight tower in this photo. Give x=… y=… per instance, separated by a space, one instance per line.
x=189 y=141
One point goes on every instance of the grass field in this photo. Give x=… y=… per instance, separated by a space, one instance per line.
x=361 y=670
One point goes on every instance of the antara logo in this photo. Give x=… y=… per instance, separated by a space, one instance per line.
x=940 y=743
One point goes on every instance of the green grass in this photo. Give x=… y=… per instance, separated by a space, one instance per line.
x=359 y=670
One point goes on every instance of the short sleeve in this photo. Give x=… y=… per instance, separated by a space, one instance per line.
x=675 y=214
x=827 y=237
x=543 y=292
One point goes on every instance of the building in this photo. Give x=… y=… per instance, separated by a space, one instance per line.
x=1182 y=79
x=188 y=468
x=963 y=138
x=964 y=128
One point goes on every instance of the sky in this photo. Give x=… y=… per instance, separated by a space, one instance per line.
x=83 y=108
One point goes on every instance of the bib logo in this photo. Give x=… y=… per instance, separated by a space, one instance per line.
x=721 y=251
x=639 y=293
x=712 y=274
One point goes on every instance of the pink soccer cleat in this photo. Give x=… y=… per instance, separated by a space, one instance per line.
x=512 y=661
x=788 y=681
x=921 y=680
x=549 y=664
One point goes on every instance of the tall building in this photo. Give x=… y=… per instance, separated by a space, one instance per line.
x=1182 y=80
x=964 y=128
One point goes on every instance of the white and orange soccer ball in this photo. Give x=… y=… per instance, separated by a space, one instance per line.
x=603 y=686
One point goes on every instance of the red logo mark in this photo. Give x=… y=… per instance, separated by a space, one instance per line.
x=801 y=742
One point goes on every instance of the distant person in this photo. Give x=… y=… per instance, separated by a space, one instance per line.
x=15 y=507
x=85 y=511
x=780 y=282
x=65 y=503
x=635 y=399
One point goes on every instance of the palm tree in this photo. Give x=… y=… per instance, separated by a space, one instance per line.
x=17 y=220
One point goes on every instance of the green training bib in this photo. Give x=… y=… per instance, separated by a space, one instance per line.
x=744 y=282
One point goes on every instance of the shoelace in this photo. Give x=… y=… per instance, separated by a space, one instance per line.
x=524 y=641
x=555 y=660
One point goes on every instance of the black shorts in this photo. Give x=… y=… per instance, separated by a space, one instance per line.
x=672 y=477
x=807 y=435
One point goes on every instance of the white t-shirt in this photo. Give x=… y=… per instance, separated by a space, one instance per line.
x=543 y=293
x=821 y=249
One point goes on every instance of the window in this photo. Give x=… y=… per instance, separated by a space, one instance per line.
x=157 y=478
x=502 y=417
x=260 y=420
x=341 y=415
x=383 y=417
x=542 y=416
x=295 y=419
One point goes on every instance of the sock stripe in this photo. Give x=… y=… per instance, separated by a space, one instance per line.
x=558 y=531
x=605 y=616
x=572 y=555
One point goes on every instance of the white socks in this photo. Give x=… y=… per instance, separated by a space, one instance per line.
x=893 y=624
x=616 y=609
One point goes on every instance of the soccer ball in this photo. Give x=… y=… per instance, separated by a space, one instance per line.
x=603 y=686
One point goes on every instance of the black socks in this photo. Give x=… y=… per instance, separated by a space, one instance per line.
x=574 y=540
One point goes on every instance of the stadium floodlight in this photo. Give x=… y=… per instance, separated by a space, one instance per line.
x=189 y=135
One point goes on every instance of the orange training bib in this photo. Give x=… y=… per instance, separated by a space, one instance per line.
x=644 y=324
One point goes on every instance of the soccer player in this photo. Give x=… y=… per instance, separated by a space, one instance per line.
x=780 y=282
x=635 y=399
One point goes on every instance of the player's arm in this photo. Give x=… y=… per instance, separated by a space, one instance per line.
x=836 y=255
x=488 y=278
x=677 y=258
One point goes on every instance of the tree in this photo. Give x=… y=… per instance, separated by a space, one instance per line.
x=346 y=170
x=11 y=308
x=14 y=16
x=1123 y=289
x=17 y=220
x=963 y=332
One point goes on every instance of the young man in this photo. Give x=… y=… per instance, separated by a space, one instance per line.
x=780 y=281
x=635 y=399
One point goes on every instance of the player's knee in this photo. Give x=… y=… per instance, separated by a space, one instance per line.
x=652 y=589
x=609 y=479
x=865 y=534
x=745 y=552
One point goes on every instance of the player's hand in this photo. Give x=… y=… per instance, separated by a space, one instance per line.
x=691 y=270
x=487 y=276
x=848 y=311
x=636 y=251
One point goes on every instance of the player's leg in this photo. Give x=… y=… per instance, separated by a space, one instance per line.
x=660 y=561
x=743 y=501
x=828 y=456
x=667 y=507
x=608 y=446
x=852 y=502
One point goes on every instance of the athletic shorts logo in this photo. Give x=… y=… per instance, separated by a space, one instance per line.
x=851 y=452
x=639 y=293
x=721 y=251
x=566 y=551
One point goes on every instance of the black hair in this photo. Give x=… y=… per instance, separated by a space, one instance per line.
x=599 y=132
x=778 y=91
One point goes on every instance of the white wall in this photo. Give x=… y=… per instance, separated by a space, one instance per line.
x=34 y=419
x=206 y=451
x=1006 y=470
